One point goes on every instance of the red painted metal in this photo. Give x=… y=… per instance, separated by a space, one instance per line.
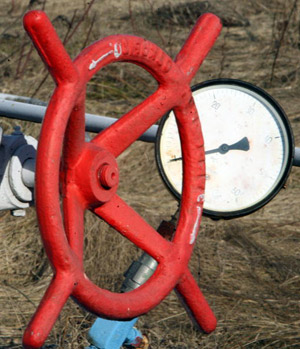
x=88 y=174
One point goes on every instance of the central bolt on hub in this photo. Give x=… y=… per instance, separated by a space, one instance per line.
x=98 y=174
x=108 y=176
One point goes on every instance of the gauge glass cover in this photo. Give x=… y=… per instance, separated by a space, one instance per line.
x=248 y=147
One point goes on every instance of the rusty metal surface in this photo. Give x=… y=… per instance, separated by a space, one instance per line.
x=89 y=174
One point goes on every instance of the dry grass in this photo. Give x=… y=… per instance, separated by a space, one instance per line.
x=248 y=268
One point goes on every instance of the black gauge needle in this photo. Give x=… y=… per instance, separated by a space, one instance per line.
x=242 y=144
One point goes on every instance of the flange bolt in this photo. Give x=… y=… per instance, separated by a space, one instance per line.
x=108 y=176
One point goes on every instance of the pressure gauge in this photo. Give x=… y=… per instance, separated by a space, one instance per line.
x=248 y=147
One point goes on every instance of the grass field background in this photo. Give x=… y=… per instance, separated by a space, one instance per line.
x=248 y=268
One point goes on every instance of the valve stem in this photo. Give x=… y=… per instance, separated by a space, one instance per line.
x=142 y=269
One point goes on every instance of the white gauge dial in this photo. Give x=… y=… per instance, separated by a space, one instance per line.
x=248 y=147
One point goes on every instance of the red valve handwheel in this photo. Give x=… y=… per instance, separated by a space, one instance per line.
x=88 y=174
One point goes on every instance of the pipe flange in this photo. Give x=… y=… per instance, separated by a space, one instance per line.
x=22 y=154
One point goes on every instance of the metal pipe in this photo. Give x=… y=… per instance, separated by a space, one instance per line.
x=29 y=109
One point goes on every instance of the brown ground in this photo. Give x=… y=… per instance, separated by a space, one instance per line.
x=248 y=268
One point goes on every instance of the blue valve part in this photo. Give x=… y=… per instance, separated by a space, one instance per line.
x=134 y=338
x=108 y=334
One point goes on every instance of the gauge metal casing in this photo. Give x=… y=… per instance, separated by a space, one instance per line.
x=249 y=147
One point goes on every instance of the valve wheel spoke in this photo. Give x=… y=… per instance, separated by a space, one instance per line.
x=133 y=124
x=191 y=296
x=130 y=224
